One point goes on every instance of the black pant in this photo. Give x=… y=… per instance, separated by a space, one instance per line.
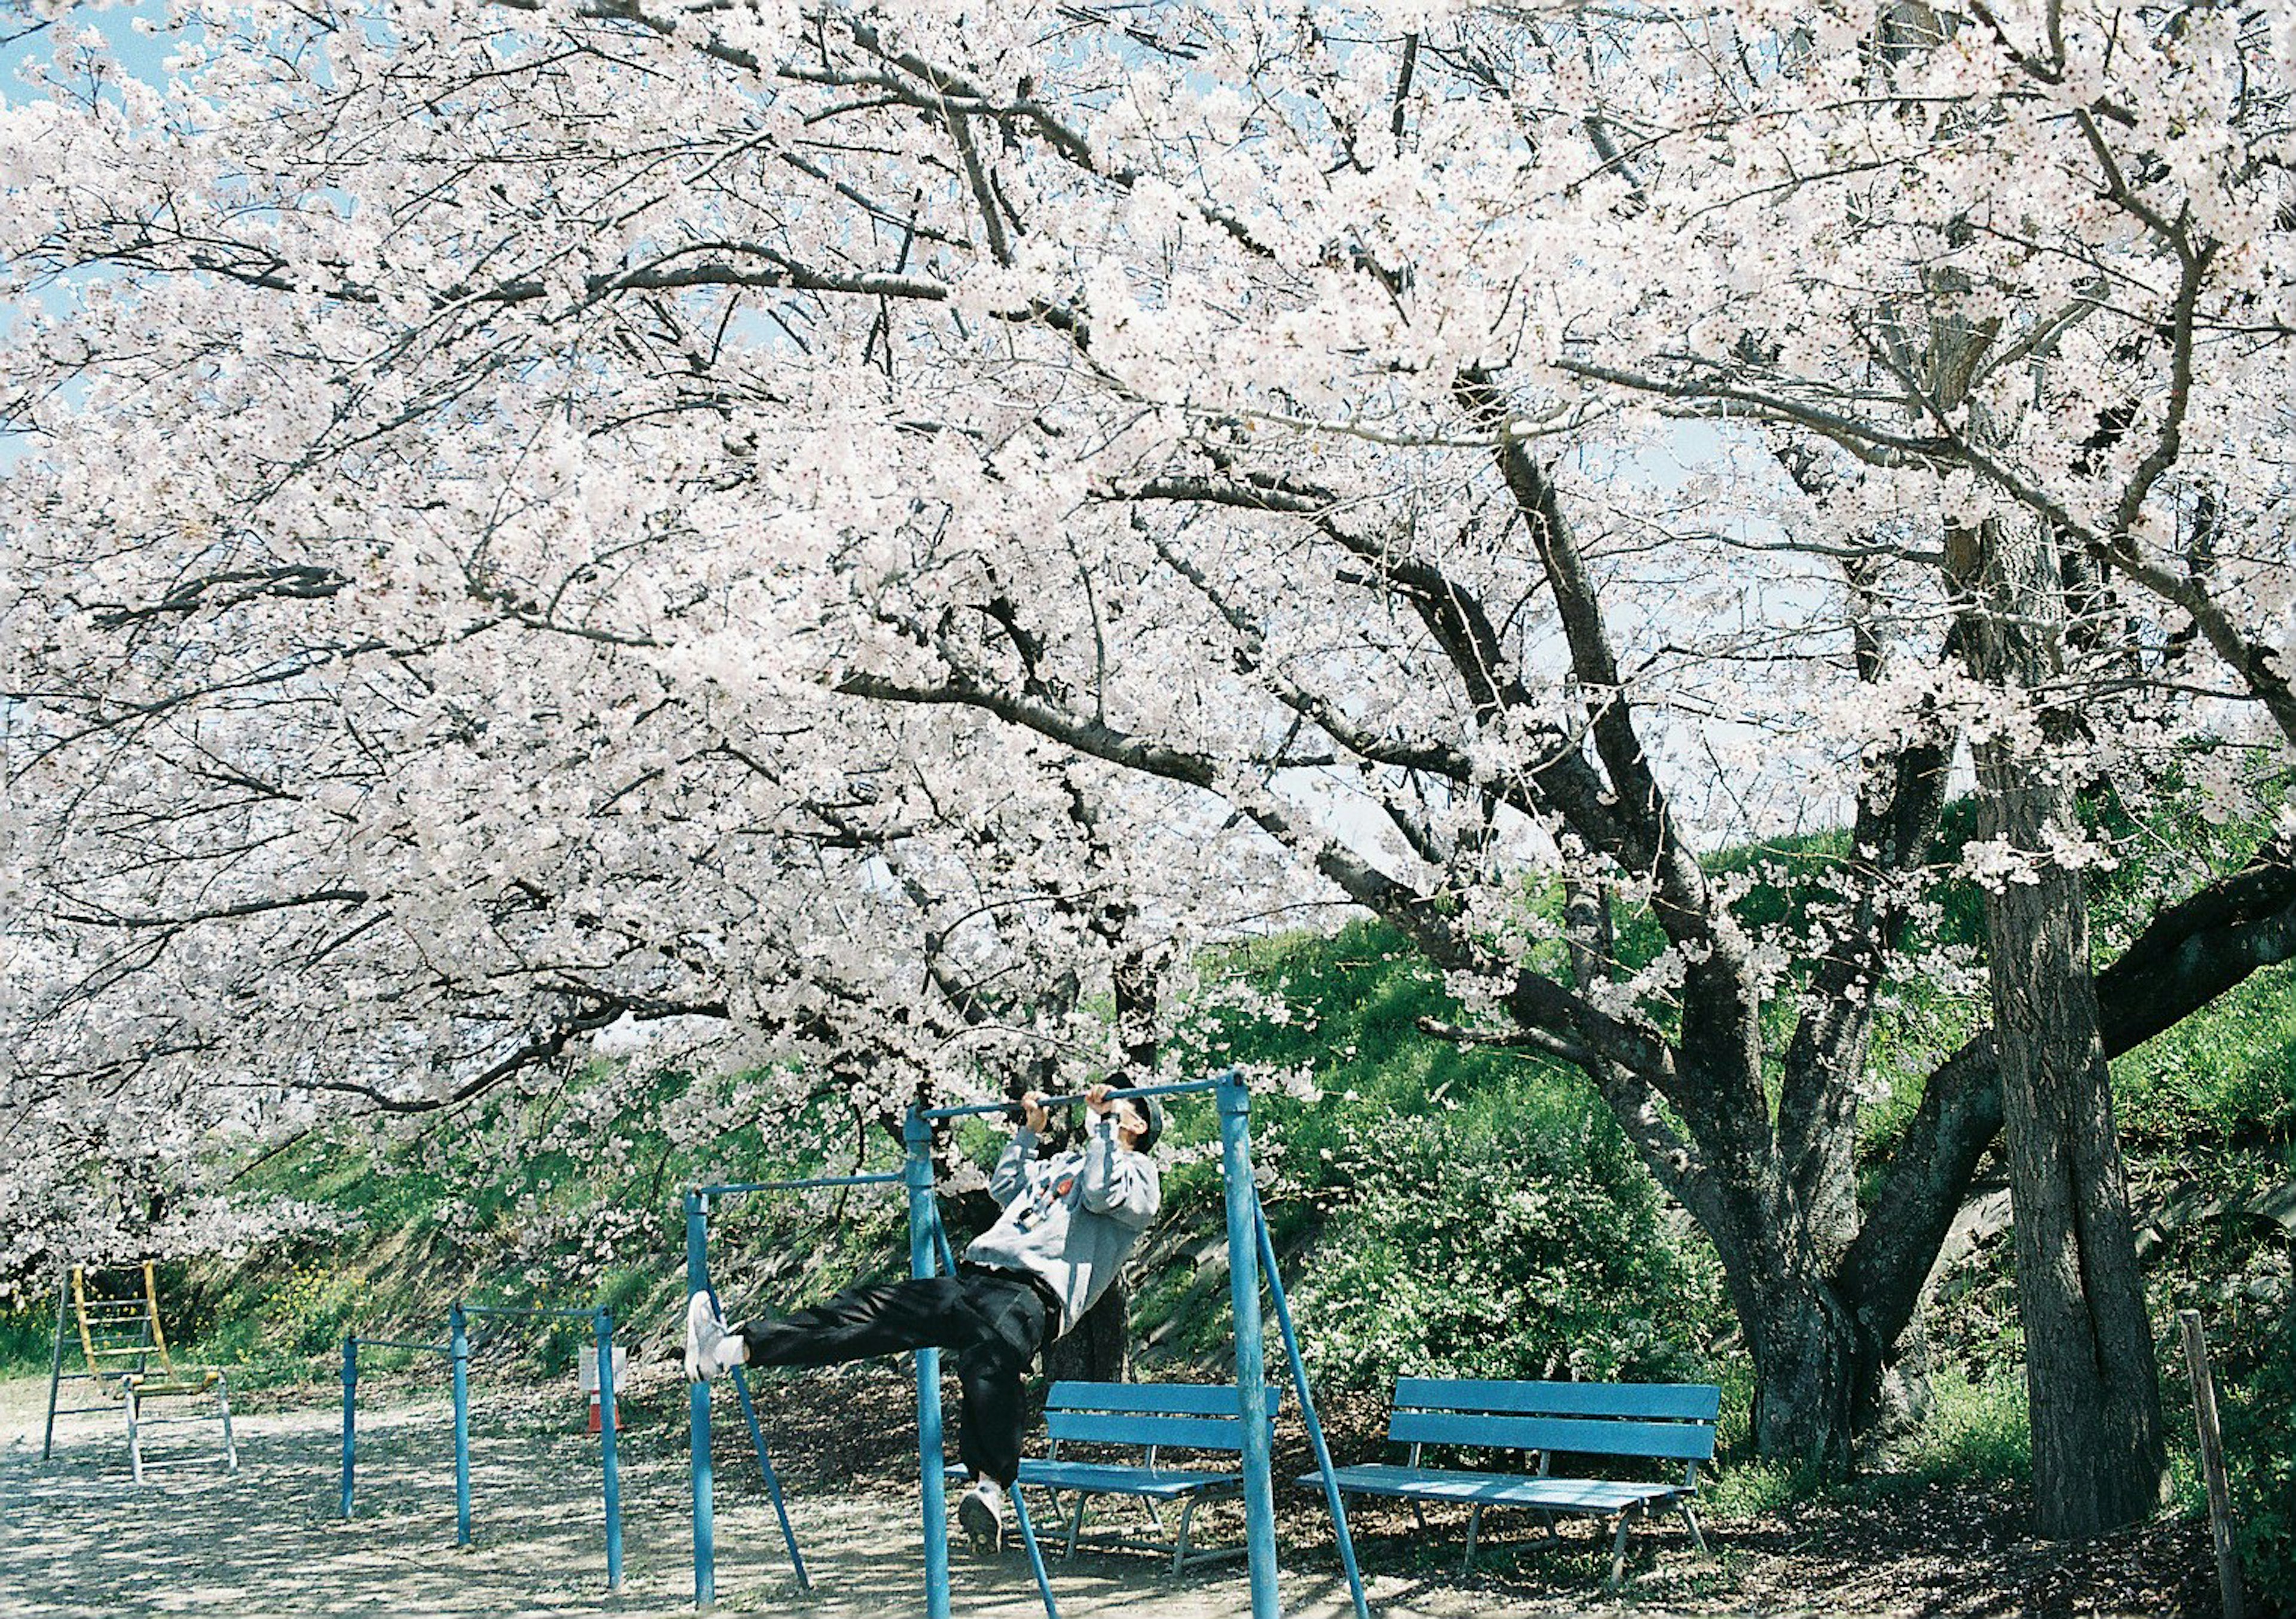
x=994 y=1320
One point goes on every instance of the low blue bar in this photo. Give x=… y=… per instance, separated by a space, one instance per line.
x=350 y=1416
x=1184 y=1088
x=520 y=1310
x=603 y=1324
x=397 y=1344
x=458 y=1338
x=796 y=1186
x=697 y=1397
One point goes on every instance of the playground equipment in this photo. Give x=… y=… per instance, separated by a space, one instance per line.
x=456 y=1350
x=1252 y=1259
x=704 y=1482
x=125 y=1355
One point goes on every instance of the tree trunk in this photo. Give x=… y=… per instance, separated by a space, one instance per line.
x=1803 y=1342
x=2091 y=1376
x=2090 y=1372
x=1805 y=1375
x=1099 y=1349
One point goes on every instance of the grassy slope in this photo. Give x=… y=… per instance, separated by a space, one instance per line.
x=1448 y=1208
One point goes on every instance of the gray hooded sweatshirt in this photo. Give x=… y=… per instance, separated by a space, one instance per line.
x=1070 y=1219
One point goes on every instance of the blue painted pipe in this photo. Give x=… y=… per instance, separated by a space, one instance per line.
x=1250 y=1372
x=1069 y=1099
x=458 y=1348
x=697 y=1406
x=924 y=1215
x=350 y=1416
x=56 y=1365
x=940 y=1240
x=608 y=1458
x=1036 y=1553
x=818 y=1182
x=1332 y=1498
x=765 y=1466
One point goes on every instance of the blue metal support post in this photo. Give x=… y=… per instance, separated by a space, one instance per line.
x=56 y=1364
x=1331 y=1496
x=766 y=1470
x=917 y=1136
x=697 y=1400
x=1250 y=1367
x=458 y=1352
x=609 y=1459
x=350 y=1416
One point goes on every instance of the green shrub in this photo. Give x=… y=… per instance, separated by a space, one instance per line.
x=1503 y=1249
x=2259 y=1431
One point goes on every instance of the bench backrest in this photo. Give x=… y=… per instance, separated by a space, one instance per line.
x=1180 y=1416
x=1662 y=1421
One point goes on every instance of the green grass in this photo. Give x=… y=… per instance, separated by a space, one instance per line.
x=1975 y=1430
x=502 y=1206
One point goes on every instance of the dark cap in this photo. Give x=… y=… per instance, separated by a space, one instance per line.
x=1151 y=1108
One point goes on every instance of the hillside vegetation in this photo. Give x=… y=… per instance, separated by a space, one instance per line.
x=1441 y=1208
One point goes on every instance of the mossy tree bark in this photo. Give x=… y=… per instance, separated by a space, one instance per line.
x=2092 y=1376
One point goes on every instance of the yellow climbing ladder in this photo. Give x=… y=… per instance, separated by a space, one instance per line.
x=125 y=1351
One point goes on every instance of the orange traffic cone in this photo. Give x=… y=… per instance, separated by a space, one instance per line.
x=589 y=1377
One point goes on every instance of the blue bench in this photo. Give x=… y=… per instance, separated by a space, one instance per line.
x=1153 y=1419
x=1656 y=1422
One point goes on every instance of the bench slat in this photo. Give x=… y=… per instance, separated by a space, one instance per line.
x=1675 y=1441
x=1600 y=1495
x=1179 y=1399
x=1112 y=1478
x=1159 y=1484
x=1104 y=1427
x=1684 y=1402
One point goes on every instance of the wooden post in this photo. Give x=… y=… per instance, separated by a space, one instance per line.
x=2213 y=1462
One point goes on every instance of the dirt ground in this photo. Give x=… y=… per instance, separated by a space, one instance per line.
x=78 y=1538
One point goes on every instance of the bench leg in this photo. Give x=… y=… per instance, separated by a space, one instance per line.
x=1474 y=1522
x=1076 y=1525
x=1180 y=1542
x=1619 y=1549
x=223 y=1409
x=1690 y=1517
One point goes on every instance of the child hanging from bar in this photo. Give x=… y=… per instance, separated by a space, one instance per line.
x=1068 y=1222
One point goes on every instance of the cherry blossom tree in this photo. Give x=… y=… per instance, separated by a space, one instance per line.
x=1226 y=451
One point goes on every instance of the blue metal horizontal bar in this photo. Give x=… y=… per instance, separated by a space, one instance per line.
x=1184 y=1088
x=524 y=1310
x=797 y=1185
x=397 y=1344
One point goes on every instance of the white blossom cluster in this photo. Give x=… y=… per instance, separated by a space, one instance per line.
x=844 y=543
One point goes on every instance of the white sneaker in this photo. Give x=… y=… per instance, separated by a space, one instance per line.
x=981 y=1514
x=709 y=1348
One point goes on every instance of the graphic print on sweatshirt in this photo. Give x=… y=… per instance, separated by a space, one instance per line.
x=1043 y=1197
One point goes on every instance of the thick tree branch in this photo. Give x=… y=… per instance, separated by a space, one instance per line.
x=2191 y=953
